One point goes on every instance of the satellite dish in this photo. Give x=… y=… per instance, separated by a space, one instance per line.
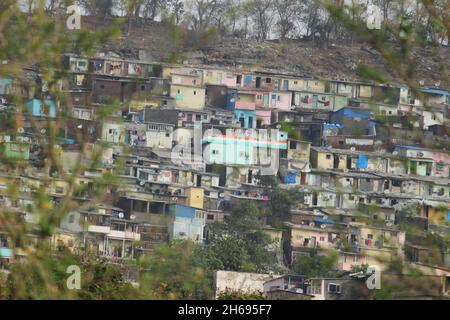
x=352 y=149
x=311 y=224
x=20 y=130
x=43 y=131
x=389 y=224
x=121 y=215
x=132 y=217
x=323 y=226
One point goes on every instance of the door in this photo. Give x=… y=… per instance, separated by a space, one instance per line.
x=286 y=85
x=303 y=178
x=315 y=100
x=258 y=82
x=250 y=122
x=266 y=100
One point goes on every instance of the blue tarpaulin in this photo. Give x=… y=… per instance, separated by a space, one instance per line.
x=290 y=178
x=362 y=162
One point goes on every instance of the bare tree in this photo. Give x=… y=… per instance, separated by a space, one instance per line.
x=263 y=17
x=202 y=13
x=287 y=11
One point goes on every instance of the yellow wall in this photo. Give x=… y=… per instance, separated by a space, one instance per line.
x=436 y=216
x=365 y=91
x=195 y=197
x=305 y=234
x=323 y=162
x=316 y=85
x=246 y=97
x=186 y=98
x=301 y=84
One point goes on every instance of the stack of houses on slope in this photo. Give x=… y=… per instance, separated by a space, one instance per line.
x=192 y=140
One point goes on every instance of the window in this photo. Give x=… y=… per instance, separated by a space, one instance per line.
x=142 y=87
x=195 y=93
x=102 y=86
x=210 y=217
x=370 y=236
x=292 y=144
x=351 y=197
x=59 y=190
x=268 y=80
x=215 y=152
x=71 y=218
x=198 y=117
x=258 y=97
x=328 y=156
x=334 y=288
x=178 y=91
x=295 y=82
x=194 y=81
x=322 y=239
x=279 y=98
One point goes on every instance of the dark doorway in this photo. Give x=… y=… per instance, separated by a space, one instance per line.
x=242 y=121
x=250 y=176
x=314 y=199
x=250 y=122
x=349 y=162
x=258 y=82
x=303 y=178
x=335 y=161
x=238 y=79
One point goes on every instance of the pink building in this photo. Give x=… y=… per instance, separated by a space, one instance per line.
x=263 y=117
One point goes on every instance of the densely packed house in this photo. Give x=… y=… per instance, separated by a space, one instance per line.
x=192 y=140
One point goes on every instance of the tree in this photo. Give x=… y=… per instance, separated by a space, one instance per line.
x=99 y=280
x=287 y=10
x=316 y=265
x=239 y=243
x=97 y=7
x=173 y=273
x=263 y=16
x=281 y=202
x=202 y=13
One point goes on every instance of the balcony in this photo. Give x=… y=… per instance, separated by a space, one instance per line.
x=99 y=229
x=127 y=235
x=243 y=105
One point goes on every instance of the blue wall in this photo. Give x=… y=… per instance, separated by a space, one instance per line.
x=35 y=107
x=182 y=211
x=4 y=83
x=246 y=114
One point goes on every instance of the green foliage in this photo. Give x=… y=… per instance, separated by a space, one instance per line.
x=239 y=243
x=281 y=202
x=99 y=280
x=238 y=295
x=291 y=130
x=316 y=265
x=173 y=272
